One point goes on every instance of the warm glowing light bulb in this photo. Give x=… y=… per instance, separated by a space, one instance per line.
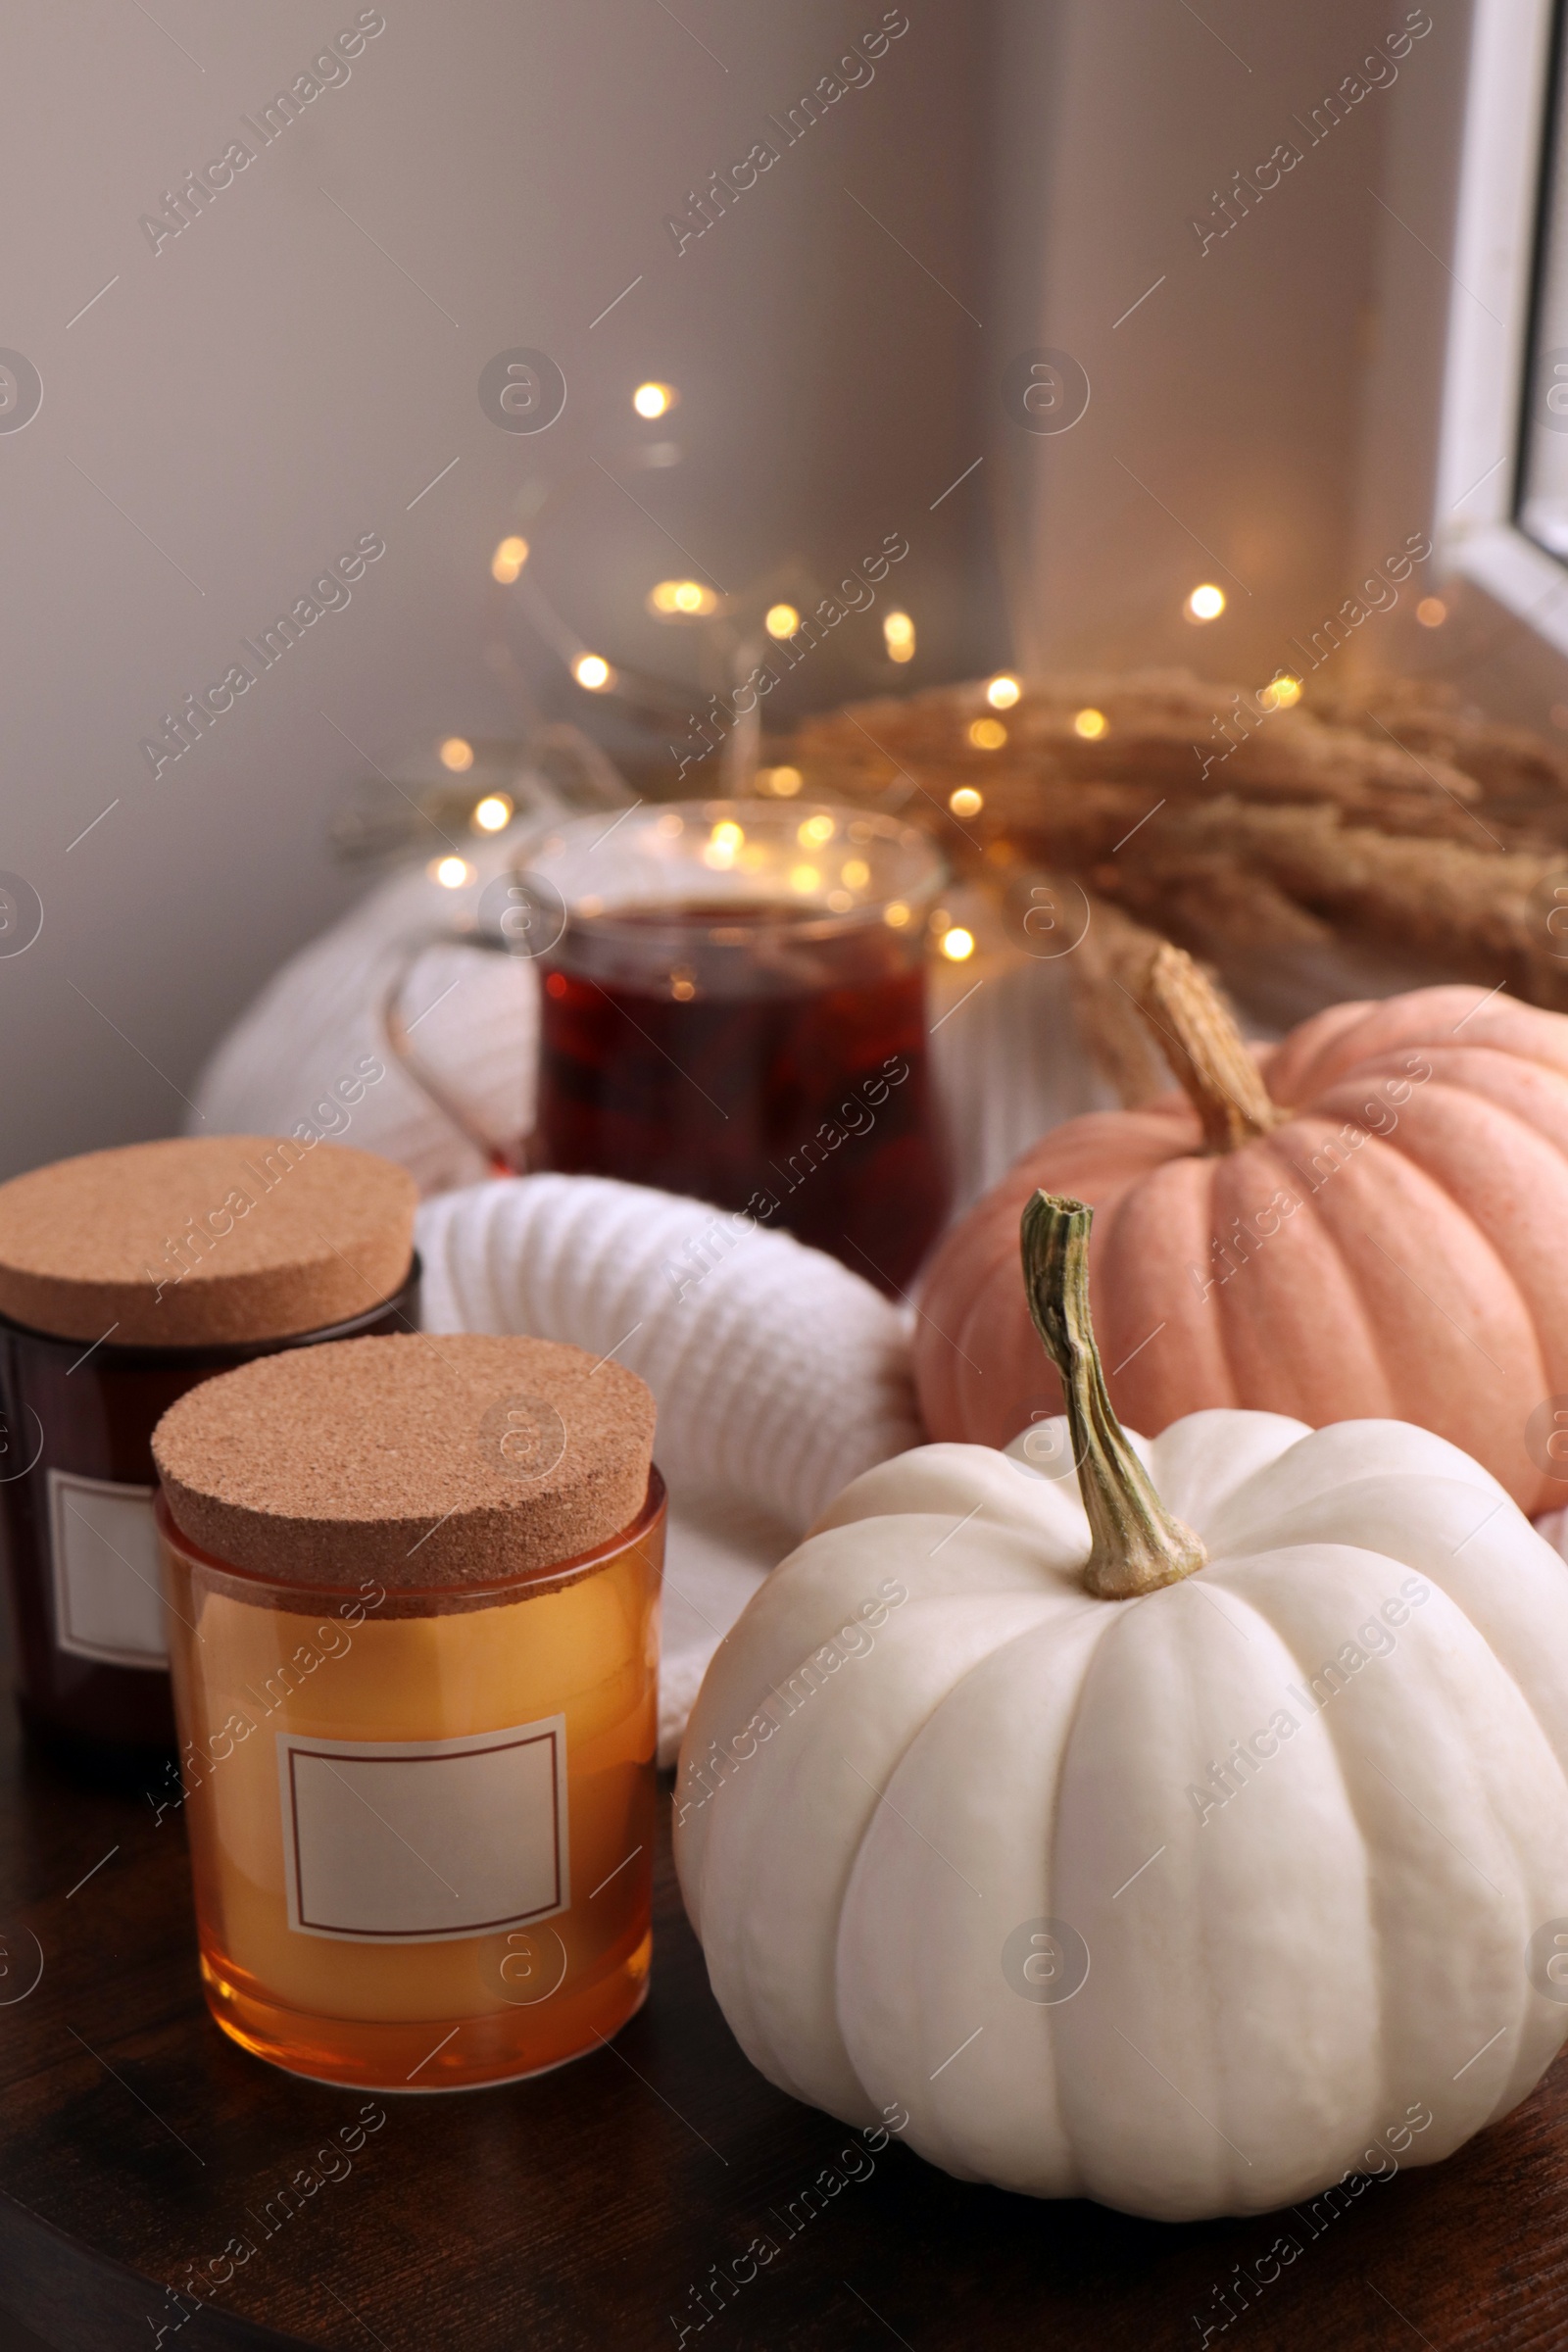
x=1281 y=692
x=456 y=753
x=987 y=734
x=957 y=945
x=814 y=831
x=655 y=400
x=493 y=813
x=452 y=872
x=784 y=782
x=508 y=561
x=1003 y=693
x=1206 y=602
x=896 y=912
x=1432 y=612
x=804 y=878
x=1091 y=725
x=966 y=801
x=898 y=631
x=782 y=620
x=686 y=598
x=593 y=671
x=855 y=873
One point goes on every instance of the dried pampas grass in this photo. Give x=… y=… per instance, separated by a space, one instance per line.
x=1241 y=825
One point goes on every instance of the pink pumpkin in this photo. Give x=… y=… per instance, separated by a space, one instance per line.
x=1369 y=1221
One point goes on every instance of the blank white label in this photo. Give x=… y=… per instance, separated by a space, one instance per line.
x=103 y=1549
x=425 y=1840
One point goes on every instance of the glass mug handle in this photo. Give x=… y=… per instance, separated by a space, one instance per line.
x=505 y=1158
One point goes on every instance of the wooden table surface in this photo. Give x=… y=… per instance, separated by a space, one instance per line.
x=586 y=2210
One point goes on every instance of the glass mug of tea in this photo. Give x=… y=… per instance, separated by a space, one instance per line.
x=732 y=1005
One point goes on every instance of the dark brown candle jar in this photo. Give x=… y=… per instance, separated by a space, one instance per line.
x=125 y=1278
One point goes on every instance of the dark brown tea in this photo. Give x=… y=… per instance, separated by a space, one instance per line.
x=750 y=1055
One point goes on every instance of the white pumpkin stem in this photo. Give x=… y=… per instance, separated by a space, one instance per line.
x=1138 y=1545
x=1205 y=1051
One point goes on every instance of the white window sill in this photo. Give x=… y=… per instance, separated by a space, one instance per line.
x=1518 y=576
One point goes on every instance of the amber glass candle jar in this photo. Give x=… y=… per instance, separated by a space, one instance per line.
x=413 y=1590
x=126 y=1277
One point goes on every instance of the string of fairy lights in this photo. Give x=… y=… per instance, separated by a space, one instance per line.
x=734 y=641
x=771 y=608
x=675 y=599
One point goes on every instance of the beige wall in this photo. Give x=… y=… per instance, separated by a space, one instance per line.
x=238 y=407
x=1235 y=392
x=271 y=383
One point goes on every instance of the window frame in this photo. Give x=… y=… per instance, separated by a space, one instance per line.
x=1505 y=198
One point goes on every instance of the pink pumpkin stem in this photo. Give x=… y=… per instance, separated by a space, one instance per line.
x=1137 y=1544
x=1206 y=1051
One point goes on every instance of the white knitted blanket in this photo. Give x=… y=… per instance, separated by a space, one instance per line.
x=778 y=1374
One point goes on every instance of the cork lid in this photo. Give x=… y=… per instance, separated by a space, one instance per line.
x=204 y=1241
x=422 y=1461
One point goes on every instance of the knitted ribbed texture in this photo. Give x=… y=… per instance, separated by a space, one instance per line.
x=778 y=1374
x=315 y=1031
x=1008 y=1065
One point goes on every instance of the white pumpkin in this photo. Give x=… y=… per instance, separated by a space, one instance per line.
x=1187 y=1901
